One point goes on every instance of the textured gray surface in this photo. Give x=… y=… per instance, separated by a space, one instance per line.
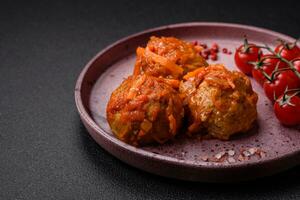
x=45 y=153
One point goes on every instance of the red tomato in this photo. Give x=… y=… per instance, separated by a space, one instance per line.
x=268 y=65
x=296 y=64
x=287 y=109
x=285 y=79
x=242 y=57
x=288 y=53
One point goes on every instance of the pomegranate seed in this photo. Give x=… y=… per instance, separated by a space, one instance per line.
x=205 y=55
x=207 y=51
x=229 y=52
x=215 y=47
x=214 y=57
x=225 y=50
x=195 y=43
x=213 y=51
x=203 y=45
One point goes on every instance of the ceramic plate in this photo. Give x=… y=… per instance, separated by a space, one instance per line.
x=266 y=149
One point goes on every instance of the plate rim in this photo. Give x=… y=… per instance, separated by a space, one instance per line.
x=162 y=158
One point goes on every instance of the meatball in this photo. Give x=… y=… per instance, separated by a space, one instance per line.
x=168 y=57
x=219 y=101
x=145 y=109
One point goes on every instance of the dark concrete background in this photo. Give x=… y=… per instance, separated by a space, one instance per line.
x=45 y=152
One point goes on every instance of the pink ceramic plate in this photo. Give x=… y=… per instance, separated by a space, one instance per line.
x=267 y=149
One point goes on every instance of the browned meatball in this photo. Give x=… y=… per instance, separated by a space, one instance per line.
x=168 y=57
x=145 y=109
x=219 y=101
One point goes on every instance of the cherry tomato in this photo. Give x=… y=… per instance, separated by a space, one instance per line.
x=283 y=80
x=287 y=109
x=288 y=53
x=268 y=65
x=296 y=64
x=242 y=57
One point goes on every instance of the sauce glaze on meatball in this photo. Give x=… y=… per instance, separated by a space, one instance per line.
x=145 y=109
x=219 y=101
x=168 y=57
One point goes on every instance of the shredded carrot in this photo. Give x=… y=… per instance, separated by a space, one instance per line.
x=171 y=66
x=139 y=52
x=193 y=73
x=230 y=82
x=173 y=82
x=135 y=87
x=136 y=70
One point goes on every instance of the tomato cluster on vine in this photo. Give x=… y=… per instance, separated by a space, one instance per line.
x=278 y=72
